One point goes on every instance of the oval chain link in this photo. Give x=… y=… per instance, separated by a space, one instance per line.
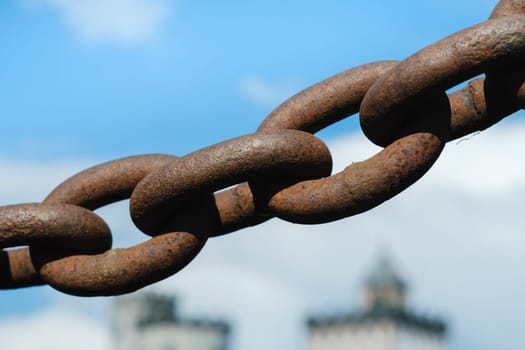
x=189 y=181
x=55 y=230
x=117 y=271
x=388 y=106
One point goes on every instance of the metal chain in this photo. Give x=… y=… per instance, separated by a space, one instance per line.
x=281 y=170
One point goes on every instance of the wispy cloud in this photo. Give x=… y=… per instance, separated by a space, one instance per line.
x=52 y=329
x=267 y=93
x=114 y=21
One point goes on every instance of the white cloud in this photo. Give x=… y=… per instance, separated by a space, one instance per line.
x=53 y=329
x=266 y=93
x=457 y=236
x=118 y=21
x=245 y=296
x=31 y=182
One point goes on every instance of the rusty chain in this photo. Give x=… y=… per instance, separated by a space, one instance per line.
x=281 y=170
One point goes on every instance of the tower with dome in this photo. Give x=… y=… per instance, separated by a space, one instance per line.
x=384 y=322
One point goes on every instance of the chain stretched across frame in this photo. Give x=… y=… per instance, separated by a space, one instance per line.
x=281 y=170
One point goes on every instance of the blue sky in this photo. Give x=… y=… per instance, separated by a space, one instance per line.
x=88 y=81
x=71 y=88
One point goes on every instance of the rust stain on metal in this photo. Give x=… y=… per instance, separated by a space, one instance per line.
x=362 y=185
x=484 y=102
x=119 y=271
x=108 y=182
x=17 y=269
x=63 y=228
x=508 y=8
x=436 y=68
x=328 y=101
x=115 y=271
x=275 y=154
x=61 y=225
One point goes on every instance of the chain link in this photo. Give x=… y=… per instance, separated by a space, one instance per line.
x=281 y=170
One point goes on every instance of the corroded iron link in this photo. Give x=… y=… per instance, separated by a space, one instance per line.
x=388 y=104
x=108 y=182
x=508 y=8
x=328 y=101
x=188 y=180
x=386 y=174
x=49 y=227
x=117 y=271
x=280 y=170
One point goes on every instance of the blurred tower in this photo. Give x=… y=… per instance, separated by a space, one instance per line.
x=145 y=321
x=383 y=288
x=384 y=324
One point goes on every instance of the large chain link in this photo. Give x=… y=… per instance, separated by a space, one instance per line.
x=281 y=170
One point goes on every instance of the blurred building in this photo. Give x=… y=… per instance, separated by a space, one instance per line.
x=385 y=323
x=145 y=321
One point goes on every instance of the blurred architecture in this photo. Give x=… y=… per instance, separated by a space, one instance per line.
x=384 y=324
x=144 y=321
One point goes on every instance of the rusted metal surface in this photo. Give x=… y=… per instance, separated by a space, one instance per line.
x=277 y=154
x=108 y=182
x=57 y=227
x=284 y=171
x=17 y=269
x=362 y=185
x=119 y=271
x=310 y=110
x=484 y=102
x=508 y=8
x=61 y=225
x=328 y=101
x=388 y=105
x=237 y=210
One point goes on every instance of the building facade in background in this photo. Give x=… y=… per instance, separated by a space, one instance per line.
x=385 y=324
x=144 y=321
